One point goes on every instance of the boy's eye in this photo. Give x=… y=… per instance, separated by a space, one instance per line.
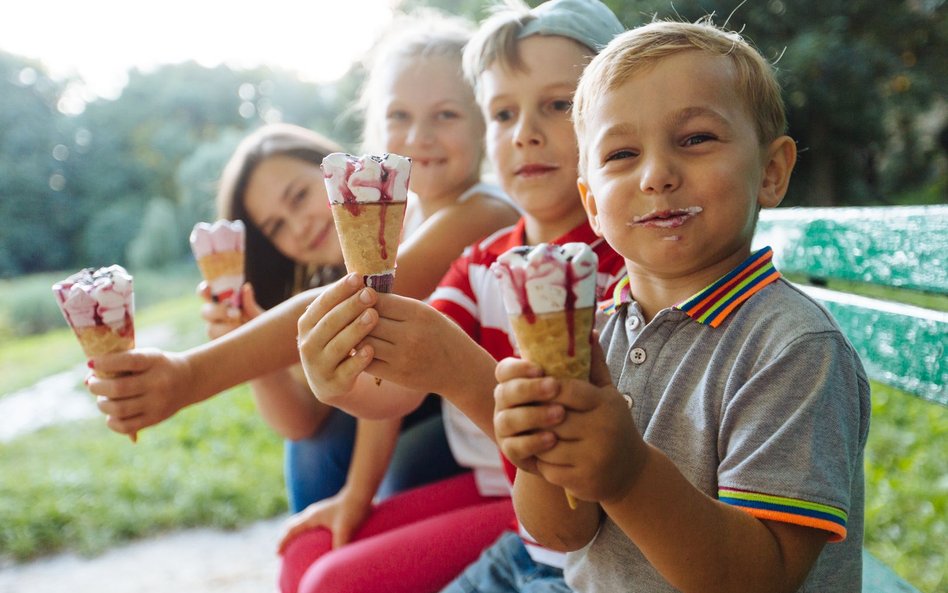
x=503 y=115
x=619 y=155
x=562 y=105
x=698 y=139
x=447 y=114
x=396 y=115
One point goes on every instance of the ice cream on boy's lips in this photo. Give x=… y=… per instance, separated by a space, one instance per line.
x=99 y=305
x=219 y=251
x=368 y=195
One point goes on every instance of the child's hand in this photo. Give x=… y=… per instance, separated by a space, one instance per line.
x=340 y=514
x=595 y=453
x=525 y=412
x=418 y=347
x=154 y=387
x=331 y=334
x=221 y=319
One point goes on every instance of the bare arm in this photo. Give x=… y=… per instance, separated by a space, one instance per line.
x=161 y=383
x=425 y=256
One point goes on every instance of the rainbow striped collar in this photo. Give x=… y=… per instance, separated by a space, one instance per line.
x=712 y=305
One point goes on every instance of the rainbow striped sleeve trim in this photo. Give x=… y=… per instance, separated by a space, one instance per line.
x=788 y=510
x=712 y=305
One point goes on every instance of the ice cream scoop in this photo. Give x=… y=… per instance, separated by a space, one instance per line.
x=368 y=195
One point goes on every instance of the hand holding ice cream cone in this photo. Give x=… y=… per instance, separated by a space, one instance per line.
x=99 y=306
x=549 y=293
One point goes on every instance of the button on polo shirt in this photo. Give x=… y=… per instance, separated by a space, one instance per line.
x=637 y=355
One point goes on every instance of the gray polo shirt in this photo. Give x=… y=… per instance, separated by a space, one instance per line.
x=768 y=411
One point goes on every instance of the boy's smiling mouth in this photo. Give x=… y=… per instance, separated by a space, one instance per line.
x=666 y=219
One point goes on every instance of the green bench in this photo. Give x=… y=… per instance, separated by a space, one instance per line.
x=904 y=346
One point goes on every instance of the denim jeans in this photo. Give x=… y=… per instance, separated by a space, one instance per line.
x=506 y=567
x=315 y=468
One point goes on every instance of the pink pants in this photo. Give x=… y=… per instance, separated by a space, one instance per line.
x=415 y=542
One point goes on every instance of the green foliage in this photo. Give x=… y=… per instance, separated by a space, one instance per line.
x=158 y=243
x=28 y=307
x=83 y=488
x=907 y=486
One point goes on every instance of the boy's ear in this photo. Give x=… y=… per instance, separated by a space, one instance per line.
x=589 y=203
x=781 y=156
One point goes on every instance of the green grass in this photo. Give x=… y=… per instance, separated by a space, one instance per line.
x=907 y=487
x=81 y=487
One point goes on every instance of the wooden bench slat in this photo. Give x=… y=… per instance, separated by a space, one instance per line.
x=882 y=332
x=873 y=245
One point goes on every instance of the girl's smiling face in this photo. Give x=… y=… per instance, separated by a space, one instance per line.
x=286 y=199
x=430 y=116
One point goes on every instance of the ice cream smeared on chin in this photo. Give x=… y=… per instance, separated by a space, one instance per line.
x=219 y=251
x=368 y=195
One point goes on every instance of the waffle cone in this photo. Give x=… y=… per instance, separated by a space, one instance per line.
x=544 y=339
x=225 y=263
x=102 y=339
x=369 y=235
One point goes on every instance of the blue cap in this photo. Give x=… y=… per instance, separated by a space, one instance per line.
x=590 y=22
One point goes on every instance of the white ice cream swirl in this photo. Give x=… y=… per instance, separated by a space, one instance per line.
x=547 y=278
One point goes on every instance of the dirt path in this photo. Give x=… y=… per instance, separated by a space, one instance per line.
x=192 y=561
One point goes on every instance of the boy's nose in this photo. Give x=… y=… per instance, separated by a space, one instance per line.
x=527 y=133
x=658 y=175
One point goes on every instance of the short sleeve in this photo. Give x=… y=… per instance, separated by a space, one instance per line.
x=792 y=435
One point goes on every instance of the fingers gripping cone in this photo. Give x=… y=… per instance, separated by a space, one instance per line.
x=219 y=250
x=368 y=196
x=549 y=294
x=99 y=306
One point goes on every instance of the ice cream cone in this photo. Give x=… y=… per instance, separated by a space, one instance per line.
x=99 y=306
x=558 y=342
x=549 y=294
x=369 y=236
x=368 y=196
x=219 y=251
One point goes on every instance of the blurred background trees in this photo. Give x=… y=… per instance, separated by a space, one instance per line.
x=124 y=180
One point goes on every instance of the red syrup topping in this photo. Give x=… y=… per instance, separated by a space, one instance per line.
x=385 y=185
x=570 y=307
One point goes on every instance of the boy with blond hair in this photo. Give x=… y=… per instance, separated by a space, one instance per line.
x=721 y=434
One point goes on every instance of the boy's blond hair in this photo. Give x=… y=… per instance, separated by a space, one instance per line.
x=638 y=49
x=496 y=41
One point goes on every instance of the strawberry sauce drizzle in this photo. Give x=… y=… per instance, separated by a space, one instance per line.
x=385 y=185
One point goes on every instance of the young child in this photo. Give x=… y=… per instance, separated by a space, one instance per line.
x=273 y=183
x=417 y=104
x=722 y=433
x=525 y=65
